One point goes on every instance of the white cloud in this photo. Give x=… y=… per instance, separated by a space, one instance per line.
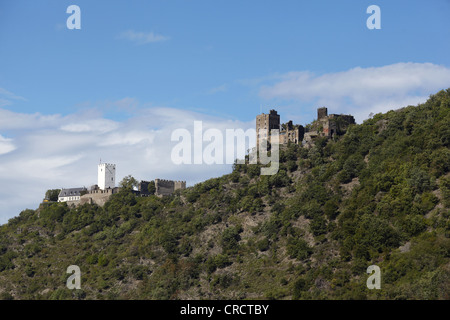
x=10 y=120
x=221 y=88
x=90 y=125
x=6 y=145
x=362 y=90
x=142 y=37
x=7 y=97
x=53 y=151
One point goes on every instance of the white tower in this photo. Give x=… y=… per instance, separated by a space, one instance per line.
x=106 y=175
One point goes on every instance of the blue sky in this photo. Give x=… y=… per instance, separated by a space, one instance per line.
x=138 y=69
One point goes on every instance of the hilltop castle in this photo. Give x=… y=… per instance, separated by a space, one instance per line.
x=325 y=126
x=106 y=186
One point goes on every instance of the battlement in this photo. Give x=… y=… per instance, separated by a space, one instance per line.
x=164 y=180
x=106 y=175
x=167 y=187
x=106 y=191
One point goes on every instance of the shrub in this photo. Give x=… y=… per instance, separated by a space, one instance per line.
x=230 y=238
x=263 y=244
x=300 y=286
x=414 y=224
x=330 y=208
x=298 y=248
x=318 y=225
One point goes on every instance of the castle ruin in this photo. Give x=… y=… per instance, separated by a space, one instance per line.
x=326 y=125
x=333 y=124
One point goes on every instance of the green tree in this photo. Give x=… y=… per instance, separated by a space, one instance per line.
x=151 y=187
x=298 y=248
x=128 y=182
x=230 y=238
x=52 y=194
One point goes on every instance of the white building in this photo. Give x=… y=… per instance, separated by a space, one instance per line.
x=106 y=176
x=72 y=194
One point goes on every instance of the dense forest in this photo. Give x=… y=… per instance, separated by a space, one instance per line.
x=377 y=195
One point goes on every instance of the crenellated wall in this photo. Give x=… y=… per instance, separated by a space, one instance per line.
x=167 y=187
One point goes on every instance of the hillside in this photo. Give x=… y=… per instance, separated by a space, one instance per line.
x=380 y=194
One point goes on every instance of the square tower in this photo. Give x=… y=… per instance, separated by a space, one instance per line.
x=106 y=175
x=265 y=123
x=322 y=113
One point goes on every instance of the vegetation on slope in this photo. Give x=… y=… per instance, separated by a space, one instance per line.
x=379 y=195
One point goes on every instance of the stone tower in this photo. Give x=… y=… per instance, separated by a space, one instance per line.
x=106 y=176
x=265 y=123
x=322 y=113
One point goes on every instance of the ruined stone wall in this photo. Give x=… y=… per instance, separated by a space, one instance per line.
x=292 y=134
x=338 y=124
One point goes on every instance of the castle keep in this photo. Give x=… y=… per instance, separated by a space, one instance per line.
x=288 y=132
x=265 y=123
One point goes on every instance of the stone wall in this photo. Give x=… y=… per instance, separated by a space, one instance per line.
x=98 y=196
x=179 y=185
x=167 y=187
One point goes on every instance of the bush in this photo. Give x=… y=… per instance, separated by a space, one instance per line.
x=419 y=180
x=230 y=238
x=217 y=262
x=330 y=208
x=300 y=286
x=298 y=248
x=291 y=165
x=414 y=224
x=263 y=245
x=376 y=233
x=445 y=191
x=318 y=226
